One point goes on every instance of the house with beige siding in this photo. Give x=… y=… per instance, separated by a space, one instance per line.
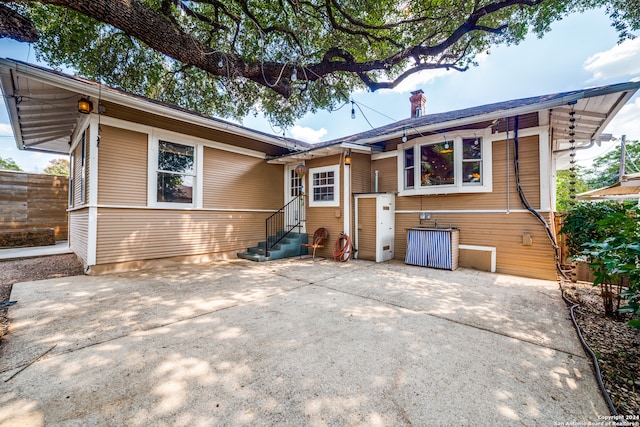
x=153 y=181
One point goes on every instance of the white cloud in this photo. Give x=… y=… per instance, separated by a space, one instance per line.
x=627 y=121
x=417 y=80
x=621 y=60
x=308 y=134
x=5 y=129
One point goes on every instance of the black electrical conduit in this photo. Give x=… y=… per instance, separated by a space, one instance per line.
x=523 y=199
x=572 y=305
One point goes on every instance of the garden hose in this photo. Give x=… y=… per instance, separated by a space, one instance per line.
x=342 y=251
x=572 y=305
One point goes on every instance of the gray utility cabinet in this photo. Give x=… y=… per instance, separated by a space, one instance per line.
x=433 y=247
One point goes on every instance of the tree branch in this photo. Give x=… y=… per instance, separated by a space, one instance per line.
x=15 y=26
x=160 y=31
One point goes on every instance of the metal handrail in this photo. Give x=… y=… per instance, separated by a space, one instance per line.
x=283 y=221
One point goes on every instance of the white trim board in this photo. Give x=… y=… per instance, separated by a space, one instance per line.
x=482 y=248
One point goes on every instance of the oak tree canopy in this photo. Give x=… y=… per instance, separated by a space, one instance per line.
x=279 y=57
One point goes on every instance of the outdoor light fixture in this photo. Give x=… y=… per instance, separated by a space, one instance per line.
x=404 y=135
x=85 y=106
x=353 y=110
x=347 y=158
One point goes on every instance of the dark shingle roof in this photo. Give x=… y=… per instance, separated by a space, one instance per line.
x=535 y=102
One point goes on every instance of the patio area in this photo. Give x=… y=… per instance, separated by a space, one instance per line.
x=294 y=342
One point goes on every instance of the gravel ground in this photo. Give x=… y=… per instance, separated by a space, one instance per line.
x=27 y=270
x=615 y=344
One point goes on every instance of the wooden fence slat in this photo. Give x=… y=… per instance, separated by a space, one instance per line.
x=34 y=201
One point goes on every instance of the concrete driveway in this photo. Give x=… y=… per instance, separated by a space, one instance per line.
x=294 y=342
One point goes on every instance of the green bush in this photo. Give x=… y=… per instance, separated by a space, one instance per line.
x=608 y=234
x=580 y=224
x=615 y=261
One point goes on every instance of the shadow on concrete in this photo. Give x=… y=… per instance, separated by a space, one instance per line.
x=294 y=342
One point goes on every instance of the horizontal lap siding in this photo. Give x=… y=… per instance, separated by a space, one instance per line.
x=122 y=167
x=387 y=175
x=79 y=231
x=361 y=173
x=502 y=231
x=235 y=181
x=360 y=182
x=175 y=125
x=327 y=217
x=141 y=234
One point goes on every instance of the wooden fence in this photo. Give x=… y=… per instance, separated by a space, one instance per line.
x=30 y=201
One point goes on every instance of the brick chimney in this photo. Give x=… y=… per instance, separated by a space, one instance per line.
x=418 y=102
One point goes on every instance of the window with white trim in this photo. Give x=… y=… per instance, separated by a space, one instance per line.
x=83 y=167
x=175 y=173
x=409 y=168
x=324 y=183
x=445 y=166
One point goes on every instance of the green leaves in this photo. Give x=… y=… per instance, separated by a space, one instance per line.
x=9 y=164
x=237 y=57
x=615 y=258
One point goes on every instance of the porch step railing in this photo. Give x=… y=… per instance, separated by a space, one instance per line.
x=283 y=222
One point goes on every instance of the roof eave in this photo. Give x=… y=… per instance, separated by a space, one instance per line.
x=10 y=103
x=628 y=88
x=109 y=95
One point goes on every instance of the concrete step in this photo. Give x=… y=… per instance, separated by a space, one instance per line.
x=287 y=247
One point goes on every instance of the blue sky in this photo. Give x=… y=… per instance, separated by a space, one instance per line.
x=580 y=51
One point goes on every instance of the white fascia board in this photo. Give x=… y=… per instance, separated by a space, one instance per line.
x=6 y=83
x=108 y=94
x=324 y=151
x=384 y=155
x=612 y=113
x=356 y=148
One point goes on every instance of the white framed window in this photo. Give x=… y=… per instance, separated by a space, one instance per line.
x=172 y=173
x=72 y=174
x=83 y=167
x=445 y=165
x=324 y=186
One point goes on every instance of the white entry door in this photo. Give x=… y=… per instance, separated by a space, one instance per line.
x=293 y=187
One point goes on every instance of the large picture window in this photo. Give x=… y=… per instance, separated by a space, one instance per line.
x=176 y=173
x=437 y=166
x=325 y=186
x=444 y=166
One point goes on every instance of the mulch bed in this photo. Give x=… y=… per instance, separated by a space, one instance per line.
x=615 y=344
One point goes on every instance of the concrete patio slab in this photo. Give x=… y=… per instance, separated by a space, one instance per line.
x=294 y=342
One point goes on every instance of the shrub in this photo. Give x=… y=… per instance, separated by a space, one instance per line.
x=615 y=261
x=582 y=223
